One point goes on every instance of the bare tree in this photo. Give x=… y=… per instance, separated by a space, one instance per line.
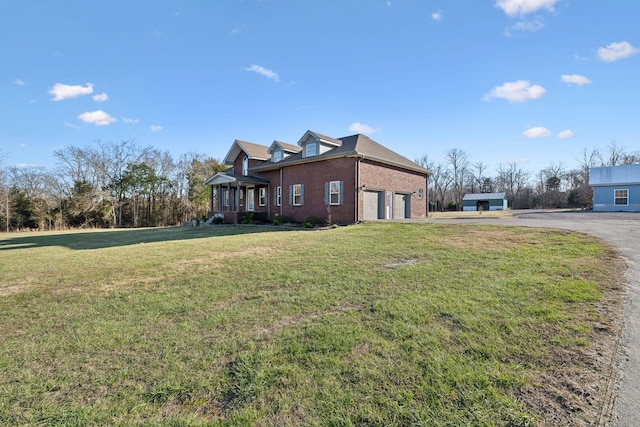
x=477 y=176
x=101 y=166
x=439 y=181
x=553 y=182
x=615 y=154
x=458 y=162
x=34 y=188
x=512 y=180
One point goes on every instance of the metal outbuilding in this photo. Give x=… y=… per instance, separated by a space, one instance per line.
x=484 y=202
x=616 y=188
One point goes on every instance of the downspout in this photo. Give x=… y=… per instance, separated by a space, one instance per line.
x=281 y=191
x=269 y=201
x=426 y=190
x=357 y=207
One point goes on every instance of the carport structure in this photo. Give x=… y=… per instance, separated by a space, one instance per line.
x=484 y=202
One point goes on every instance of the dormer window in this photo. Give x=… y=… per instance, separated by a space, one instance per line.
x=311 y=149
x=245 y=166
x=276 y=156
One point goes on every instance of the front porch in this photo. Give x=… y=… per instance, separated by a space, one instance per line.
x=234 y=196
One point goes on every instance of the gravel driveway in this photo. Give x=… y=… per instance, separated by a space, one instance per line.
x=621 y=229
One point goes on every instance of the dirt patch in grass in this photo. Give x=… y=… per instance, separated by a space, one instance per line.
x=294 y=320
x=579 y=388
x=13 y=290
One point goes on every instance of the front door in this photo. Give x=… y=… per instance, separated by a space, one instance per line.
x=250 y=199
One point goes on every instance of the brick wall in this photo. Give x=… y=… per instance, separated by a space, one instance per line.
x=379 y=177
x=313 y=176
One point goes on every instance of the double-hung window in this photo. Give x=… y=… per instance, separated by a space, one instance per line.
x=621 y=197
x=225 y=197
x=333 y=192
x=276 y=156
x=297 y=194
x=262 y=198
x=245 y=166
x=311 y=149
x=278 y=196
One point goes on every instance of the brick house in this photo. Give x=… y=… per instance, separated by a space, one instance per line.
x=342 y=181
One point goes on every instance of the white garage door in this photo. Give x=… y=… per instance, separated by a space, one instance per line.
x=400 y=206
x=371 y=205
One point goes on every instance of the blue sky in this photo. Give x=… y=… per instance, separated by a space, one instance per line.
x=527 y=81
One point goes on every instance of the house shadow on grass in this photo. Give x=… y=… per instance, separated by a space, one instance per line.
x=99 y=239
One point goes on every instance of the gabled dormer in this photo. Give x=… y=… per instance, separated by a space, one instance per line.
x=244 y=155
x=314 y=144
x=281 y=150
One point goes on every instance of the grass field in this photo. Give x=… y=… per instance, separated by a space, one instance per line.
x=373 y=324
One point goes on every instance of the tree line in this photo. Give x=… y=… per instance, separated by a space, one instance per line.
x=104 y=185
x=555 y=186
x=122 y=184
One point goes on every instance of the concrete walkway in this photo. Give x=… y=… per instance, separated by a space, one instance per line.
x=623 y=231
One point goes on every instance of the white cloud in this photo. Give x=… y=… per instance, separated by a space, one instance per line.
x=71 y=125
x=575 y=79
x=436 y=16
x=18 y=82
x=616 y=51
x=24 y=165
x=566 y=134
x=263 y=71
x=537 y=132
x=61 y=91
x=358 y=127
x=130 y=121
x=156 y=128
x=98 y=118
x=518 y=91
x=101 y=97
x=532 y=26
x=524 y=7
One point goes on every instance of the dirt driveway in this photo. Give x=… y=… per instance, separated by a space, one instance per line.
x=623 y=231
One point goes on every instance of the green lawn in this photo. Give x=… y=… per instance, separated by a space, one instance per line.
x=373 y=324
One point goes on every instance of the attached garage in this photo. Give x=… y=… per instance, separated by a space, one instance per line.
x=401 y=206
x=373 y=205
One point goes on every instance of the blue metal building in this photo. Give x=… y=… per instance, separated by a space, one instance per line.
x=616 y=188
x=484 y=202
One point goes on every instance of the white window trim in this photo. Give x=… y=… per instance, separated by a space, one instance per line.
x=278 y=196
x=262 y=196
x=626 y=191
x=276 y=156
x=332 y=193
x=245 y=166
x=306 y=149
x=299 y=195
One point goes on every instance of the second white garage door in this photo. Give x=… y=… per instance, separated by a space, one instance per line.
x=401 y=206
